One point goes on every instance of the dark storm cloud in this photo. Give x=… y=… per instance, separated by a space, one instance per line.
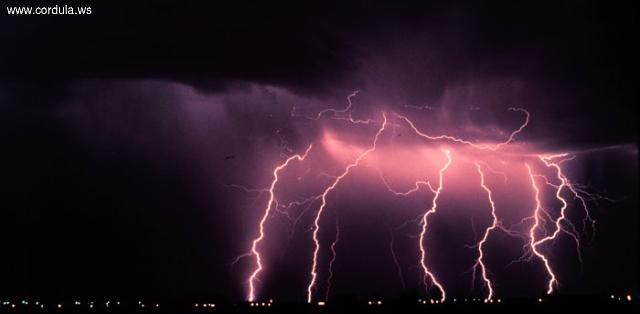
x=577 y=54
x=108 y=178
x=196 y=43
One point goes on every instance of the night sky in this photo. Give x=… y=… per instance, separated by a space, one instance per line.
x=122 y=132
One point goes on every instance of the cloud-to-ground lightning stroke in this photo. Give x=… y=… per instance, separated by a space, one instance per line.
x=547 y=160
x=395 y=258
x=416 y=187
x=494 y=225
x=316 y=222
x=561 y=223
x=333 y=259
x=272 y=201
x=487 y=157
x=532 y=232
x=425 y=219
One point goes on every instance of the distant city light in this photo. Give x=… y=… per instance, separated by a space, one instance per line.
x=374 y=302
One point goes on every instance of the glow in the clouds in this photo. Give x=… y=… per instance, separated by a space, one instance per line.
x=316 y=222
x=484 y=157
x=493 y=147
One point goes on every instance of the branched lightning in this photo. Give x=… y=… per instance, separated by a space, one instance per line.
x=338 y=114
x=425 y=217
x=548 y=161
x=536 y=230
x=493 y=147
x=415 y=188
x=494 y=225
x=532 y=232
x=316 y=222
x=272 y=200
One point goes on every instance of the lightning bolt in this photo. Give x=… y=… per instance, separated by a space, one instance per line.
x=415 y=188
x=494 y=147
x=494 y=225
x=270 y=204
x=396 y=262
x=432 y=210
x=316 y=222
x=565 y=182
x=338 y=114
x=333 y=259
x=576 y=190
x=548 y=161
x=545 y=228
x=533 y=243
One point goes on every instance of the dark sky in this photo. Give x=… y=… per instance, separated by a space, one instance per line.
x=114 y=145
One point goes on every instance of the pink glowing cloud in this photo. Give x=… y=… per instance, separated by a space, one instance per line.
x=407 y=159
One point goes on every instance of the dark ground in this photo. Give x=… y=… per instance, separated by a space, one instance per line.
x=573 y=304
